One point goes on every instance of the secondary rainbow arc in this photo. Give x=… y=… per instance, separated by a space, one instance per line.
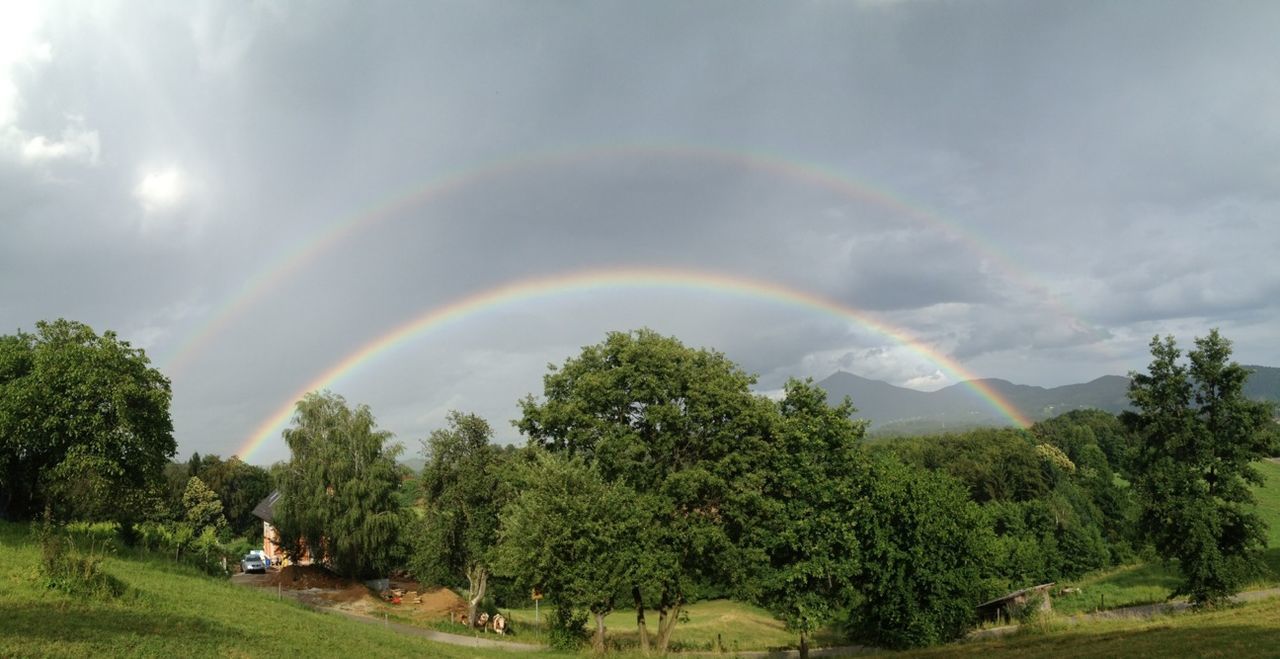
x=304 y=252
x=583 y=281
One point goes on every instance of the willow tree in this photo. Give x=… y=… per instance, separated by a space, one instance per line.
x=338 y=491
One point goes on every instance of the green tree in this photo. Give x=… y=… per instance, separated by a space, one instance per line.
x=571 y=535
x=463 y=489
x=84 y=423
x=202 y=507
x=672 y=423
x=1196 y=436
x=804 y=527
x=240 y=486
x=923 y=546
x=338 y=492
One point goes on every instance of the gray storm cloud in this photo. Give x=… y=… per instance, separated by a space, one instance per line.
x=1096 y=173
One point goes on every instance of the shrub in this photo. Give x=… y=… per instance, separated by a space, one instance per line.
x=71 y=570
x=567 y=629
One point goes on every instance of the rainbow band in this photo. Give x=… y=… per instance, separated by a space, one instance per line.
x=592 y=280
x=338 y=231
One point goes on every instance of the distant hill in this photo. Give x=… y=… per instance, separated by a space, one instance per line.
x=895 y=410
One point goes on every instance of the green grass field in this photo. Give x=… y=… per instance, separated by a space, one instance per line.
x=171 y=610
x=711 y=626
x=1152 y=582
x=1250 y=630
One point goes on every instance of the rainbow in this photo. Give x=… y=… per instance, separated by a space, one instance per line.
x=613 y=279
x=305 y=252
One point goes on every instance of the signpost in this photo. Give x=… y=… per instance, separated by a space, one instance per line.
x=536 y=597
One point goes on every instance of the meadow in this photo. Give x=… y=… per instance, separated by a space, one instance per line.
x=172 y=610
x=1151 y=582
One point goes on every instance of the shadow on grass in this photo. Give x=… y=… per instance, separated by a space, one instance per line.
x=56 y=623
x=1236 y=641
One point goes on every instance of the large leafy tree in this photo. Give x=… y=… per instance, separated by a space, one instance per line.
x=572 y=536
x=670 y=422
x=803 y=531
x=463 y=489
x=925 y=553
x=1197 y=434
x=338 y=491
x=84 y=423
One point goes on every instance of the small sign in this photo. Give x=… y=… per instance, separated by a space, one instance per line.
x=536 y=595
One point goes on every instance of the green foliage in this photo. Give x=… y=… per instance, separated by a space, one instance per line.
x=925 y=556
x=1196 y=437
x=673 y=423
x=566 y=628
x=338 y=493
x=1050 y=495
x=202 y=508
x=803 y=531
x=572 y=536
x=463 y=488
x=72 y=569
x=84 y=424
x=239 y=487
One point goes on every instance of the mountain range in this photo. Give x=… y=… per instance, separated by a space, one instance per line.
x=894 y=410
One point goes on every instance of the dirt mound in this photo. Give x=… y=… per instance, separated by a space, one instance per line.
x=302 y=577
x=439 y=602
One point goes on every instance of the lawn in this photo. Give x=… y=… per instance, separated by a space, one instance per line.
x=171 y=610
x=710 y=626
x=1152 y=582
x=1249 y=630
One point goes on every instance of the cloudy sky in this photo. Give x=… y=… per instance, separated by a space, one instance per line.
x=253 y=191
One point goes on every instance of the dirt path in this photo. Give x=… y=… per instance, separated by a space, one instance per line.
x=439 y=637
x=314 y=599
x=1128 y=613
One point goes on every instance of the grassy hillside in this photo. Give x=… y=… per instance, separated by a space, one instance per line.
x=171 y=611
x=1249 y=630
x=1144 y=584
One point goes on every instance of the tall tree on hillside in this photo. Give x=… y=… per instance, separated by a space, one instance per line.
x=84 y=423
x=672 y=423
x=240 y=486
x=1196 y=436
x=338 y=491
x=463 y=488
x=804 y=527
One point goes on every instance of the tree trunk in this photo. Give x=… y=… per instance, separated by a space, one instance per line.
x=599 y=639
x=643 y=631
x=666 y=624
x=477 y=580
x=804 y=645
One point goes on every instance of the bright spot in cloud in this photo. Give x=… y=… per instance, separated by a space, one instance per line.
x=161 y=190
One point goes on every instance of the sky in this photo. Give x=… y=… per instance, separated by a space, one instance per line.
x=252 y=192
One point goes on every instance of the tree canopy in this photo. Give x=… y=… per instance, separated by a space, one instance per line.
x=1196 y=436
x=84 y=423
x=463 y=489
x=670 y=422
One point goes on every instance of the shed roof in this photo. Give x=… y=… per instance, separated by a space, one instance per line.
x=1017 y=593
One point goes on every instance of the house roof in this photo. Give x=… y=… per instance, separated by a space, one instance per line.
x=265 y=510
